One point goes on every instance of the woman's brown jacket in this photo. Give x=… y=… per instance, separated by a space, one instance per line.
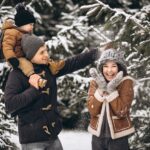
x=117 y=105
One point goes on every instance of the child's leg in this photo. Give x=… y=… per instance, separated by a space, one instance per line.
x=55 y=66
x=27 y=68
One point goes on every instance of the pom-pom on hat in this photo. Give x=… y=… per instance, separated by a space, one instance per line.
x=30 y=45
x=112 y=54
x=23 y=16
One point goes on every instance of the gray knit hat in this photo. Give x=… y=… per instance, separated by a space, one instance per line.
x=30 y=45
x=112 y=54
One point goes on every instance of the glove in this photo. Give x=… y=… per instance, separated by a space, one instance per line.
x=14 y=62
x=111 y=86
x=98 y=78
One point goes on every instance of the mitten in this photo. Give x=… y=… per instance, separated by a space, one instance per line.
x=14 y=62
x=98 y=78
x=111 y=86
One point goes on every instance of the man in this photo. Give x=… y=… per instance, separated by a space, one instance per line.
x=39 y=122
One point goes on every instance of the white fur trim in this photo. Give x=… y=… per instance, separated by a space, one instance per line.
x=98 y=96
x=112 y=96
x=109 y=120
x=121 y=133
x=99 y=123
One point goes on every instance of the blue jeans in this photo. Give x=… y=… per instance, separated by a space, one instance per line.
x=109 y=144
x=53 y=144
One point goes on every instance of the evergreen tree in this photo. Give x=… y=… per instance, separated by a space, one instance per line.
x=7 y=128
x=73 y=26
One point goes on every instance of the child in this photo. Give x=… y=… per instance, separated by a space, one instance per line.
x=11 y=45
x=39 y=122
x=109 y=101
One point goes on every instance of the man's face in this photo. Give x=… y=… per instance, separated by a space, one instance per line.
x=41 y=56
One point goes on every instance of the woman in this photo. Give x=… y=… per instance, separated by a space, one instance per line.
x=109 y=101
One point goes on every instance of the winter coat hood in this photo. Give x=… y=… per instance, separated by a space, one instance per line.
x=8 y=24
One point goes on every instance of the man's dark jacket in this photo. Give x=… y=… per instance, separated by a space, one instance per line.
x=38 y=118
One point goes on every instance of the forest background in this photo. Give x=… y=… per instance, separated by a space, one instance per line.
x=70 y=27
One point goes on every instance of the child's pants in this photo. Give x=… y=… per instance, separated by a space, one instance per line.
x=109 y=144
x=53 y=144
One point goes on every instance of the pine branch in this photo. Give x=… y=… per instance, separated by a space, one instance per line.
x=94 y=8
x=2 y=3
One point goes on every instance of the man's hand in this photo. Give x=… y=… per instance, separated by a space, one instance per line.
x=34 y=79
x=111 y=86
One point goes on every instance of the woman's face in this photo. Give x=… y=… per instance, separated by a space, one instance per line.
x=110 y=70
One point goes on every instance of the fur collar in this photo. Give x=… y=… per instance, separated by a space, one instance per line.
x=129 y=78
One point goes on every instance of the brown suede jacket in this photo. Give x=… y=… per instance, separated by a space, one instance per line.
x=12 y=49
x=117 y=105
x=12 y=40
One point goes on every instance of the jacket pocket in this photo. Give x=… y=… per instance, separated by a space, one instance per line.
x=120 y=123
x=54 y=124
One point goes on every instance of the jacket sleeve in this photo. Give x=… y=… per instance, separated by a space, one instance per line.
x=16 y=96
x=77 y=62
x=120 y=102
x=95 y=101
x=9 y=42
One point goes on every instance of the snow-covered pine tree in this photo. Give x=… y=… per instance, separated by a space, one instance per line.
x=68 y=32
x=7 y=125
x=7 y=128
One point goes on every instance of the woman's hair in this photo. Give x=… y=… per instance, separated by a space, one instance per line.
x=120 y=68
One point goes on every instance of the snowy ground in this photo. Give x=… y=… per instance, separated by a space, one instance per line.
x=75 y=140
x=72 y=140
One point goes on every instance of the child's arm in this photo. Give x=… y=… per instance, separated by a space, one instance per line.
x=9 y=44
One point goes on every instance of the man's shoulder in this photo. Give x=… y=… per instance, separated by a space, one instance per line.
x=16 y=73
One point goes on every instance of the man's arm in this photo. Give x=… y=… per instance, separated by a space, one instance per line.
x=16 y=96
x=79 y=61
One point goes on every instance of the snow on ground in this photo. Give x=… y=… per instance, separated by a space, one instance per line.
x=71 y=140
x=75 y=140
